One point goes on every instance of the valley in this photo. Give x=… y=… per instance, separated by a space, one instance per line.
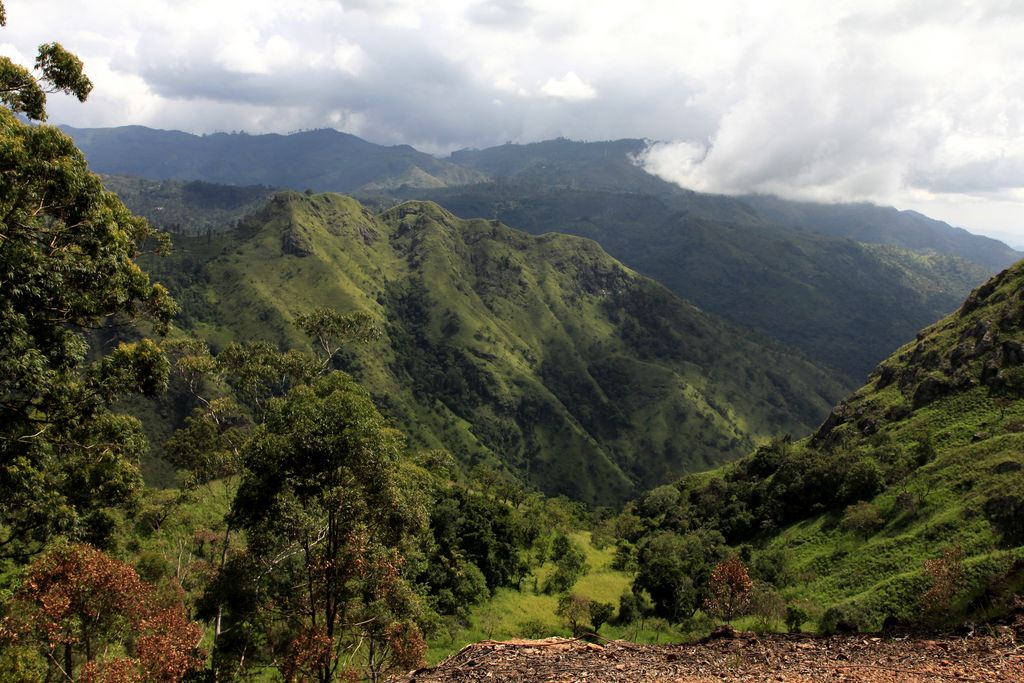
x=306 y=407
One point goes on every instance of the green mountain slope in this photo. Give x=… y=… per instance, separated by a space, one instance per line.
x=320 y=159
x=841 y=303
x=544 y=352
x=609 y=166
x=885 y=225
x=924 y=463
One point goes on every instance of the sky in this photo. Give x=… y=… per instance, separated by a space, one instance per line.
x=917 y=104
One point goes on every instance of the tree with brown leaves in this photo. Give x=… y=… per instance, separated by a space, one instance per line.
x=728 y=589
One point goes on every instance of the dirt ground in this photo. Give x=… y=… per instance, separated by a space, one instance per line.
x=996 y=656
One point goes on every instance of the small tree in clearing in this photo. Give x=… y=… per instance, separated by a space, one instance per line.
x=728 y=589
x=575 y=609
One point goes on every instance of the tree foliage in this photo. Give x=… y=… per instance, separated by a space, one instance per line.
x=331 y=533
x=67 y=271
x=729 y=589
x=59 y=71
x=77 y=607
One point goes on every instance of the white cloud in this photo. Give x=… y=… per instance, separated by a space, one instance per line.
x=569 y=87
x=919 y=103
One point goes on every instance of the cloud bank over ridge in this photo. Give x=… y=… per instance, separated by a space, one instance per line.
x=919 y=103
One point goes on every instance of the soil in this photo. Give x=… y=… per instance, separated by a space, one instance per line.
x=995 y=656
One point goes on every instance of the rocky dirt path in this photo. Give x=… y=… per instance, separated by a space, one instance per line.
x=742 y=657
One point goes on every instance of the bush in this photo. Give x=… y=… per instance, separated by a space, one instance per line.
x=839 y=620
x=863 y=481
x=946 y=574
x=862 y=518
x=767 y=606
x=795 y=618
x=631 y=608
x=772 y=566
x=533 y=628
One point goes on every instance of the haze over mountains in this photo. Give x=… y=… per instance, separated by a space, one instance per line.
x=843 y=283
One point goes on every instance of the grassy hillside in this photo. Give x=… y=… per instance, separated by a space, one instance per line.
x=908 y=502
x=842 y=303
x=542 y=352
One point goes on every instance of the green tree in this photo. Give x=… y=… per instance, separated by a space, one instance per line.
x=575 y=609
x=59 y=71
x=672 y=568
x=67 y=270
x=331 y=526
x=600 y=613
x=570 y=565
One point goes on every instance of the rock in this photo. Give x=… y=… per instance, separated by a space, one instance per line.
x=1007 y=466
x=295 y=242
x=1011 y=353
x=929 y=389
x=886 y=375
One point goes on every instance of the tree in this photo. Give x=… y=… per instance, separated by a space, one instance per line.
x=570 y=565
x=672 y=568
x=729 y=589
x=575 y=609
x=77 y=604
x=332 y=534
x=59 y=71
x=67 y=274
x=600 y=613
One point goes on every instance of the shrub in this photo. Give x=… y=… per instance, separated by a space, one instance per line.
x=862 y=518
x=795 y=618
x=772 y=566
x=631 y=608
x=839 y=620
x=767 y=606
x=946 y=574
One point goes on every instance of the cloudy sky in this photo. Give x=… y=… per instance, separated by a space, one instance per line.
x=914 y=103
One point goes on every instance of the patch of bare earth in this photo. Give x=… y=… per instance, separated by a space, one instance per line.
x=743 y=657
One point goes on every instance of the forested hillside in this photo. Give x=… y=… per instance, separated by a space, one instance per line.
x=842 y=303
x=541 y=353
x=904 y=507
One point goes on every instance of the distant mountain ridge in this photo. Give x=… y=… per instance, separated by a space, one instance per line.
x=321 y=160
x=327 y=160
x=843 y=283
x=539 y=351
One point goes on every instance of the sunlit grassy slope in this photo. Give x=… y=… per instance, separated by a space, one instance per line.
x=956 y=388
x=541 y=351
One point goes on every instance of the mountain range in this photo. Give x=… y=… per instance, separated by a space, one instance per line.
x=844 y=283
x=542 y=353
